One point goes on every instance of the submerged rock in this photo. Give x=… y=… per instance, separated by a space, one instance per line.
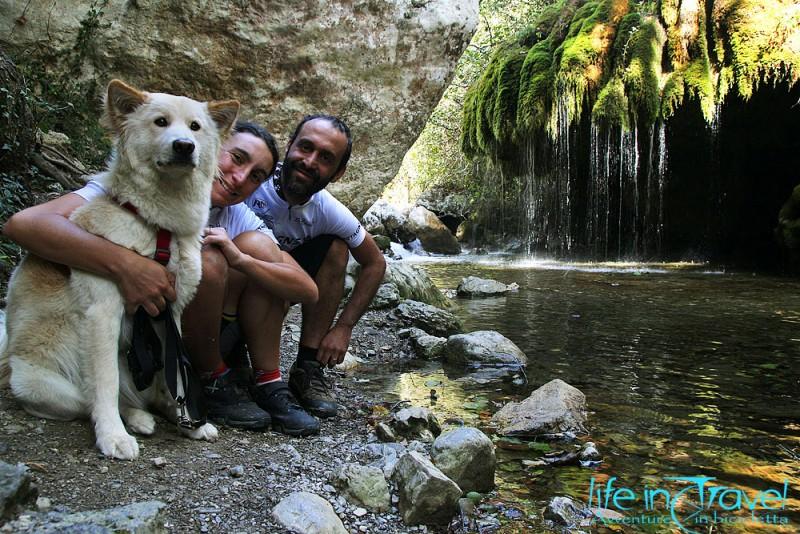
x=307 y=513
x=472 y=286
x=484 y=347
x=566 y=513
x=466 y=455
x=427 y=496
x=17 y=490
x=554 y=408
x=434 y=321
x=137 y=518
x=432 y=233
x=365 y=485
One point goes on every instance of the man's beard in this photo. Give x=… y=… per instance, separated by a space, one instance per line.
x=297 y=189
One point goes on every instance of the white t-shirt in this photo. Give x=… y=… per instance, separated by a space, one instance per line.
x=234 y=219
x=294 y=225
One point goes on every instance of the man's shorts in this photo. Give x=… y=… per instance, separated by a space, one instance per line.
x=311 y=254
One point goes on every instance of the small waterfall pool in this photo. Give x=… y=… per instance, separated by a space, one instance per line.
x=688 y=370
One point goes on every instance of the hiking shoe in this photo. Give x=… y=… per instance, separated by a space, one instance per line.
x=308 y=383
x=228 y=404
x=287 y=415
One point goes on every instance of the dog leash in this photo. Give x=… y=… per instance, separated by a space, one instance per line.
x=144 y=355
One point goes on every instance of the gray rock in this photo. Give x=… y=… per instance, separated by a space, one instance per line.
x=472 y=286
x=400 y=59
x=432 y=233
x=484 y=347
x=384 y=218
x=413 y=283
x=307 y=513
x=387 y=296
x=410 y=333
x=349 y=284
x=387 y=455
x=428 y=347
x=554 y=408
x=466 y=455
x=427 y=496
x=137 y=518
x=416 y=422
x=17 y=490
x=385 y=433
x=365 y=485
x=434 y=321
x=565 y=512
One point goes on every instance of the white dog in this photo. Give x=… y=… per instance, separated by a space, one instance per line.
x=67 y=331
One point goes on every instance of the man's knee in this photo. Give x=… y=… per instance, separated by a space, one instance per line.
x=338 y=255
x=215 y=267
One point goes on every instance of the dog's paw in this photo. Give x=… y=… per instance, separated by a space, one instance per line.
x=207 y=432
x=121 y=446
x=139 y=421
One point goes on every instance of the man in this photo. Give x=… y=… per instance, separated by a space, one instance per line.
x=317 y=230
x=242 y=270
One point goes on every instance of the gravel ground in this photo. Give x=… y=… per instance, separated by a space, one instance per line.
x=230 y=485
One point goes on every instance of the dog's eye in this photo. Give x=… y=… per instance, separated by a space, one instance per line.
x=194 y=126
x=161 y=121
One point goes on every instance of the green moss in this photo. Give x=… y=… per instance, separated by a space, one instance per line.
x=612 y=107
x=641 y=75
x=536 y=81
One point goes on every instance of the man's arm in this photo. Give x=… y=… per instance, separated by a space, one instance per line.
x=276 y=272
x=334 y=345
x=46 y=231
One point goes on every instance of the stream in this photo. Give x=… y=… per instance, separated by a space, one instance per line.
x=687 y=370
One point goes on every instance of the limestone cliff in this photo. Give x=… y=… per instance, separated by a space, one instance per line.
x=380 y=64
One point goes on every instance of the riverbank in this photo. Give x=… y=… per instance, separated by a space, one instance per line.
x=230 y=485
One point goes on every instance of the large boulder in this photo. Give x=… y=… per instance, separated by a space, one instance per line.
x=484 y=347
x=466 y=455
x=472 y=286
x=431 y=232
x=413 y=283
x=384 y=218
x=555 y=408
x=426 y=494
x=433 y=320
x=307 y=513
x=365 y=485
x=382 y=65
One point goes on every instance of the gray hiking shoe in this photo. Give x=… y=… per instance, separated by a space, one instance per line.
x=308 y=383
x=228 y=404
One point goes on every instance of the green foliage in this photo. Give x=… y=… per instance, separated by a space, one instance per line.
x=64 y=99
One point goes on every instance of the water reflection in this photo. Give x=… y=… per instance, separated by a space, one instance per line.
x=686 y=372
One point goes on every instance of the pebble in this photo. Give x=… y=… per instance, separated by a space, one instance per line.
x=236 y=471
x=43 y=504
x=104 y=469
x=360 y=512
x=159 y=462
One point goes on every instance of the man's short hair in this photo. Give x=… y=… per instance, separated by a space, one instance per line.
x=337 y=123
x=259 y=131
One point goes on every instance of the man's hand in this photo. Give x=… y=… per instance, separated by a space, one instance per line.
x=334 y=345
x=145 y=282
x=219 y=237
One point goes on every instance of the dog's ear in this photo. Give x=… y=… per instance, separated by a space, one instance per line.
x=121 y=100
x=224 y=113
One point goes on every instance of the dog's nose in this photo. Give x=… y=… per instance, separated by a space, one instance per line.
x=183 y=147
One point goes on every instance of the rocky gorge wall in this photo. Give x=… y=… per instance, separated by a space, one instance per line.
x=382 y=65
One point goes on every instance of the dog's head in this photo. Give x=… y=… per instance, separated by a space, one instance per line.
x=171 y=135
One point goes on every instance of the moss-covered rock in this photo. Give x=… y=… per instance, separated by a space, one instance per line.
x=628 y=63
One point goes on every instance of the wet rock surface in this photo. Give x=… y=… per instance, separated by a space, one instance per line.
x=556 y=408
x=484 y=347
x=433 y=320
x=466 y=455
x=472 y=286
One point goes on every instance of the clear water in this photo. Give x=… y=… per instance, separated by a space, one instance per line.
x=687 y=371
